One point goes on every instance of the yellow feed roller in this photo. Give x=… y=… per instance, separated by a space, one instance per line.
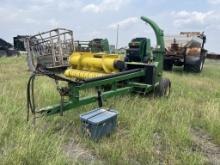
x=80 y=74
x=90 y=65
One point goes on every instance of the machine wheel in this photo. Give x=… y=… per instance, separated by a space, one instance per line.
x=163 y=89
x=196 y=67
x=167 y=65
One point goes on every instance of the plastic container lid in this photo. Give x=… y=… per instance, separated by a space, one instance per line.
x=98 y=115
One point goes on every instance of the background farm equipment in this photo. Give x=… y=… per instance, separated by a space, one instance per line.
x=213 y=56
x=186 y=49
x=6 y=49
x=110 y=74
x=19 y=42
x=96 y=45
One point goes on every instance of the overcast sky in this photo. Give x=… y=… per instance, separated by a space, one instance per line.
x=99 y=18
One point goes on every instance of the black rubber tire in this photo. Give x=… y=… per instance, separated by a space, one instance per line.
x=164 y=88
x=196 y=68
x=167 y=65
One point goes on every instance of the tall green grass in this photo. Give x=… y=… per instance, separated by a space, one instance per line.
x=150 y=131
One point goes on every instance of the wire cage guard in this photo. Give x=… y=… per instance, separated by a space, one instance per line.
x=50 y=49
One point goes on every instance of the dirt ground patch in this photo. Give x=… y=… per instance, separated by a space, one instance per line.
x=77 y=153
x=204 y=143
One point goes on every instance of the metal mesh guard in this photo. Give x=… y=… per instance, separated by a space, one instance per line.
x=51 y=48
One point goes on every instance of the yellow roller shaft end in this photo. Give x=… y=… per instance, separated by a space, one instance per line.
x=82 y=75
x=96 y=62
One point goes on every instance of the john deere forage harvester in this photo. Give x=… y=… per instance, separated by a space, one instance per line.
x=139 y=71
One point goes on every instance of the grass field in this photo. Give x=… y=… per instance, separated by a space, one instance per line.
x=150 y=131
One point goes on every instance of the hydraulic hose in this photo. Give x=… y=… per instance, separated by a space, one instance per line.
x=31 y=107
x=30 y=96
